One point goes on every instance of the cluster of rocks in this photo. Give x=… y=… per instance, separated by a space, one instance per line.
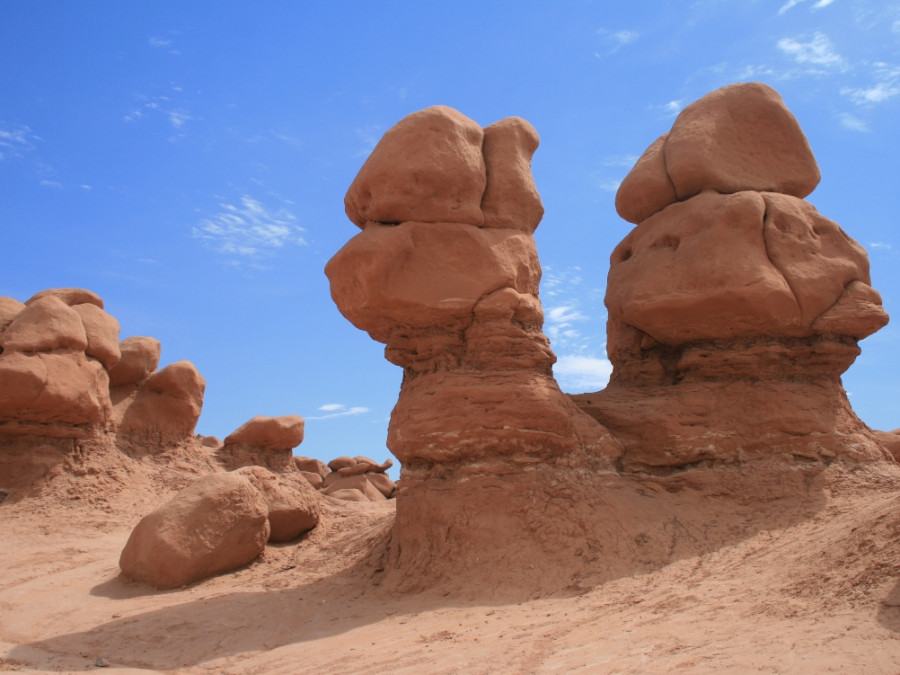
x=354 y=479
x=64 y=374
x=219 y=523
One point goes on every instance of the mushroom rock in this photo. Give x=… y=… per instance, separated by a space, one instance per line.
x=139 y=358
x=740 y=137
x=217 y=524
x=293 y=505
x=733 y=313
x=447 y=278
x=165 y=407
x=263 y=441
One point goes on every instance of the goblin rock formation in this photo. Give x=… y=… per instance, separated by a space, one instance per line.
x=446 y=274
x=734 y=306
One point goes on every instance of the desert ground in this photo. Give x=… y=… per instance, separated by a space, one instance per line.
x=802 y=578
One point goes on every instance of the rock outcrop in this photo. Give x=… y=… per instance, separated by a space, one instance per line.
x=263 y=441
x=217 y=524
x=734 y=306
x=55 y=352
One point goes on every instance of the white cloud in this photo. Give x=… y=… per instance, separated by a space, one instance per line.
x=817 y=51
x=51 y=184
x=338 y=410
x=577 y=374
x=15 y=140
x=819 y=4
x=626 y=161
x=165 y=44
x=249 y=229
x=150 y=106
x=615 y=40
x=625 y=37
x=853 y=123
x=671 y=109
x=896 y=26
x=880 y=245
x=609 y=185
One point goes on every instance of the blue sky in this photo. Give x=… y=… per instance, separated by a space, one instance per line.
x=188 y=162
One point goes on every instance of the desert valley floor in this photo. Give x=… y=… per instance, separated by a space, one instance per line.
x=806 y=584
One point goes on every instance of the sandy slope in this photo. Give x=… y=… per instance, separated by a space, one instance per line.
x=817 y=590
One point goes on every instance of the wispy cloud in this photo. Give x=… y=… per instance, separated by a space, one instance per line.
x=161 y=105
x=881 y=245
x=166 y=44
x=15 y=140
x=853 y=123
x=886 y=85
x=333 y=410
x=369 y=136
x=626 y=161
x=248 y=229
x=614 y=40
x=577 y=374
x=814 y=51
x=671 y=108
x=819 y=4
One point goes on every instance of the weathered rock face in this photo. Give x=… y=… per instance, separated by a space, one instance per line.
x=55 y=351
x=217 y=524
x=734 y=306
x=446 y=274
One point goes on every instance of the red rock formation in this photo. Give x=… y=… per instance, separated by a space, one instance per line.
x=734 y=306
x=446 y=274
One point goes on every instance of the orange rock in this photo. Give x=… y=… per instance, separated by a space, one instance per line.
x=46 y=324
x=139 y=359
x=511 y=199
x=9 y=309
x=358 y=482
x=739 y=137
x=167 y=405
x=314 y=479
x=340 y=463
x=428 y=167
x=308 y=465
x=102 y=332
x=217 y=524
x=293 y=505
x=647 y=188
x=70 y=296
x=382 y=483
x=275 y=433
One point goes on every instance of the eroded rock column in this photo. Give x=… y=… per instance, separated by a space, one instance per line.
x=446 y=274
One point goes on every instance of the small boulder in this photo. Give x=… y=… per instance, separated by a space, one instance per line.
x=9 y=310
x=309 y=465
x=139 y=359
x=217 y=524
x=358 y=482
x=341 y=462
